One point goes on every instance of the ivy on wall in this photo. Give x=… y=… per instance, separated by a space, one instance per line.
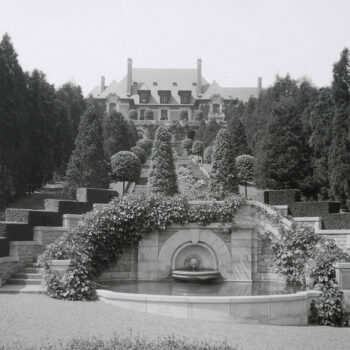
x=101 y=237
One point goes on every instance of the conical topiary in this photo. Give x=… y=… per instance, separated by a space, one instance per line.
x=223 y=176
x=87 y=166
x=162 y=176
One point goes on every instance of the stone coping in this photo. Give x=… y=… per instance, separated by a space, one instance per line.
x=23 y=243
x=73 y=216
x=107 y=294
x=6 y=259
x=342 y=265
x=50 y=228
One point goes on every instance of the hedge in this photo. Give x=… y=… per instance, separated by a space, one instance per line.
x=313 y=208
x=281 y=197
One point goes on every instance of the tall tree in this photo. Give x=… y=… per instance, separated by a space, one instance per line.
x=12 y=115
x=40 y=127
x=284 y=158
x=339 y=153
x=70 y=108
x=237 y=134
x=223 y=176
x=115 y=134
x=162 y=176
x=87 y=166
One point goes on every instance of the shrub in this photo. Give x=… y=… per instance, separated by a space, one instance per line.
x=197 y=148
x=148 y=114
x=126 y=166
x=162 y=175
x=223 y=176
x=140 y=152
x=101 y=237
x=146 y=144
x=87 y=166
x=187 y=145
x=184 y=114
x=132 y=114
x=245 y=165
x=208 y=153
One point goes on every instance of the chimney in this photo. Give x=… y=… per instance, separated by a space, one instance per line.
x=199 y=77
x=259 y=85
x=129 y=78
x=103 y=84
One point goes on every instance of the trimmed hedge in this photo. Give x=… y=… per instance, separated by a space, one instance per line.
x=34 y=217
x=95 y=195
x=281 y=197
x=313 y=208
x=140 y=152
x=336 y=221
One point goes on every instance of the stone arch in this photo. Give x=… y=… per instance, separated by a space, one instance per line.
x=195 y=236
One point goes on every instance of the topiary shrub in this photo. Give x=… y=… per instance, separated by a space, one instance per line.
x=197 y=148
x=87 y=166
x=208 y=152
x=102 y=235
x=145 y=144
x=140 y=152
x=148 y=114
x=133 y=114
x=223 y=176
x=245 y=165
x=162 y=175
x=126 y=166
x=187 y=145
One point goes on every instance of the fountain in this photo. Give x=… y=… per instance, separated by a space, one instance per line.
x=192 y=271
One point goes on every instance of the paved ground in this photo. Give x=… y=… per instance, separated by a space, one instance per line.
x=33 y=319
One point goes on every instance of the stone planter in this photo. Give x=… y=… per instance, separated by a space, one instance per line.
x=59 y=266
x=342 y=271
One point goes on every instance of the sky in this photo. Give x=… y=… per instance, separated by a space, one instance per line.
x=237 y=40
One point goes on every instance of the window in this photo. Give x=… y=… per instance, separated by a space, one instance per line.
x=216 y=108
x=164 y=98
x=142 y=114
x=112 y=107
x=185 y=99
x=163 y=114
x=143 y=97
x=174 y=83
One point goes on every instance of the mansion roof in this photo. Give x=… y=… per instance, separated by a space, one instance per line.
x=156 y=81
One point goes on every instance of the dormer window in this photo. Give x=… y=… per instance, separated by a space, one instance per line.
x=185 y=97
x=144 y=97
x=164 y=96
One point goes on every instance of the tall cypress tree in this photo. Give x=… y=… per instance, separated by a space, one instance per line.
x=12 y=120
x=87 y=166
x=223 y=176
x=162 y=176
x=339 y=152
x=284 y=157
x=237 y=134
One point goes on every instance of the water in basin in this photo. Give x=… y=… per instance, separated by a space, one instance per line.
x=201 y=289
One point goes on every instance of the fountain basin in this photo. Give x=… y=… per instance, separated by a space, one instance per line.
x=205 y=275
x=278 y=309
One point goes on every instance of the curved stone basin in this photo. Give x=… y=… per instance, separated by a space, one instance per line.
x=202 y=275
x=279 y=309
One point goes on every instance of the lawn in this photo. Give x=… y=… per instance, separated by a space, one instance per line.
x=32 y=320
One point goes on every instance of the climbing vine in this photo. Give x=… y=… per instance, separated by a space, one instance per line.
x=101 y=237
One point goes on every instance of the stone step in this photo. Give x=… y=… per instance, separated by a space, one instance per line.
x=30 y=270
x=24 y=281
x=34 y=276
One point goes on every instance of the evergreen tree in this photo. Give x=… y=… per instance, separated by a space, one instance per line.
x=87 y=166
x=162 y=176
x=70 y=107
x=132 y=134
x=245 y=165
x=12 y=120
x=223 y=177
x=40 y=129
x=339 y=153
x=115 y=134
x=210 y=132
x=284 y=157
x=237 y=133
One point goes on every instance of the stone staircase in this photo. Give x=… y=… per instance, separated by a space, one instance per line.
x=26 y=233
x=29 y=275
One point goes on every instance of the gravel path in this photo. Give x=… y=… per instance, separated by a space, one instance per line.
x=36 y=319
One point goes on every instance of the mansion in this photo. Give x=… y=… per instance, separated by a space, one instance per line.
x=168 y=92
